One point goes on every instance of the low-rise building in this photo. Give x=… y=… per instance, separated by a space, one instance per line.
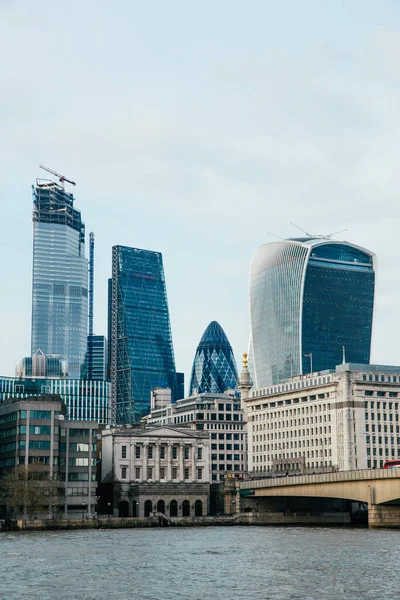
x=220 y=415
x=344 y=419
x=36 y=438
x=157 y=469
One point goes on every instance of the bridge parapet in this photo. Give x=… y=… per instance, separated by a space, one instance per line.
x=320 y=478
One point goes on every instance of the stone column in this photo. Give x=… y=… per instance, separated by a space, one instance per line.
x=144 y=460
x=193 y=450
x=181 y=456
x=132 y=458
x=169 y=461
x=157 y=462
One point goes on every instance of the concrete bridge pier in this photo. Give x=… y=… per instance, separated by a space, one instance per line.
x=384 y=515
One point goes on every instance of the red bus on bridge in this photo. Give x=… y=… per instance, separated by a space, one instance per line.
x=392 y=464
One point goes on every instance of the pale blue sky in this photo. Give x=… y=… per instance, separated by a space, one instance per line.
x=195 y=128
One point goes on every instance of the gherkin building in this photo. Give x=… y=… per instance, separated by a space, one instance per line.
x=214 y=367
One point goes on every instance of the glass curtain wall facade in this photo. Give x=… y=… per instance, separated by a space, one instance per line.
x=142 y=356
x=309 y=299
x=214 y=368
x=85 y=400
x=60 y=277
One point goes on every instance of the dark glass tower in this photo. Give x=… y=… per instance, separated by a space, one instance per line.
x=214 y=367
x=142 y=355
x=310 y=298
x=60 y=277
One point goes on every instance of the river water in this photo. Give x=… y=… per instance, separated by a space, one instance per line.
x=218 y=563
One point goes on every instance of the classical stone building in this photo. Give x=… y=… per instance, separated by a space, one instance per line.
x=157 y=470
x=345 y=419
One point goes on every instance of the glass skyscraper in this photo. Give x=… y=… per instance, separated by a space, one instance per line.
x=142 y=356
x=60 y=277
x=214 y=368
x=311 y=299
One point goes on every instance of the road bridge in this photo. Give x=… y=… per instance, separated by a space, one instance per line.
x=377 y=488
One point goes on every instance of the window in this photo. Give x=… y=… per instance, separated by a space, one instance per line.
x=149 y=472
x=213 y=436
x=137 y=473
x=174 y=473
x=199 y=473
x=137 y=452
x=199 y=454
x=174 y=452
x=150 y=451
x=162 y=451
x=123 y=472
x=186 y=472
x=123 y=452
x=162 y=472
x=213 y=446
x=213 y=417
x=368 y=393
x=220 y=407
x=186 y=452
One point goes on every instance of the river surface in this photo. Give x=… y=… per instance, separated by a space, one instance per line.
x=220 y=563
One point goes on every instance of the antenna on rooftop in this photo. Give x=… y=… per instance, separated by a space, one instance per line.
x=274 y=235
x=303 y=230
x=318 y=235
x=61 y=178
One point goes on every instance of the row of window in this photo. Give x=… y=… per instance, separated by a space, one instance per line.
x=163 y=473
x=310 y=454
x=381 y=378
x=287 y=387
x=382 y=394
x=140 y=452
x=227 y=436
x=228 y=446
x=223 y=467
x=228 y=457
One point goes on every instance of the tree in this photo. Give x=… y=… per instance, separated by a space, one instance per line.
x=29 y=490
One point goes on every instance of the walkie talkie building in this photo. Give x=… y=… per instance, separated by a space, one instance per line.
x=310 y=299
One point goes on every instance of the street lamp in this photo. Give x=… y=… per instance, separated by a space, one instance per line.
x=109 y=508
x=83 y=510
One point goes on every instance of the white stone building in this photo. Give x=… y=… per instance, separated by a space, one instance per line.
x=345 y=419
x=220 y=415
x=157 y=469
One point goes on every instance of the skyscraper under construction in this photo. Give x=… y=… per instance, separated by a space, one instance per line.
x=60 y=276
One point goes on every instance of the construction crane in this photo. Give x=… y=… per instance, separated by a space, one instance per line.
x=91 y=296
x=61 y=178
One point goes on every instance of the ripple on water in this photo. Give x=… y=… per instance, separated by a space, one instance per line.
x=245 y=563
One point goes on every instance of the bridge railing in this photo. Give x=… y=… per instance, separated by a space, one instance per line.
x=338 y=476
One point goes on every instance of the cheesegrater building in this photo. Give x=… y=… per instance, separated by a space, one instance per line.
x=311 y=305
x=59 y=278
x=142 y=355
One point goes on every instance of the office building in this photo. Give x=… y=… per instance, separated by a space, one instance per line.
x=97 y=351
x=157 y=470
x=311 y=299
x=342 y=419
x=220 y=415
x=60 y=277
x=142 y=356
x=214 y=368
x=85 y=400
x=35 y=434
x=40 y=365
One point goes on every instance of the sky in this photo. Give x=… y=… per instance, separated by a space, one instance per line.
x=199 y=129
